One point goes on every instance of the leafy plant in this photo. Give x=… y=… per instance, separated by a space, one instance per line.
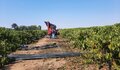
x=103 y=42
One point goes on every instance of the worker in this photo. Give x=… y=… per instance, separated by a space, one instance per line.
x=51 y=29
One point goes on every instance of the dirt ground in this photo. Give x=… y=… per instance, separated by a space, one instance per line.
x=39 y=64
x=69 y=63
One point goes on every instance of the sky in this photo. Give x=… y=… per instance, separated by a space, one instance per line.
x=62 y=13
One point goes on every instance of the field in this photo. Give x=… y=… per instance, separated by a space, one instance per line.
x=11 y=40
x=100 y=45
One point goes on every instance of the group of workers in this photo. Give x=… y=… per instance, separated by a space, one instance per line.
x=52 y=31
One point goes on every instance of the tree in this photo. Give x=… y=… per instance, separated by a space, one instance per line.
x=14 y=25
x=33 y=27
x=117 y=24
x=23 y=28
x=39 y=27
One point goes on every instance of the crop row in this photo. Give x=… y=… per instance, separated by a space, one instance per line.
x=103 y=42
x=10 y=41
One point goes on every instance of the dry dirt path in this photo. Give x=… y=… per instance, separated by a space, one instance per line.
x=39 y=64
x=68 y=63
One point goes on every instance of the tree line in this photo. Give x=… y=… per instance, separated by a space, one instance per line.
x=22 y=27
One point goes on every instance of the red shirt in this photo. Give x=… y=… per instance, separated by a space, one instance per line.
x=49 y=30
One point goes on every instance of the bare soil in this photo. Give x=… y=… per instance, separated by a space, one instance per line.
x=39 y=64
x=69 y=63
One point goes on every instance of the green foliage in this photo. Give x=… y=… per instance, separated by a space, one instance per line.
x=21 y=28
x=14 y=25
x=11 y=39
x=103 y=42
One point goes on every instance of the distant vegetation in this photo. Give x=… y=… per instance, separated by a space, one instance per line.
x=11 y=39
x=32 y=27
x=102 y=43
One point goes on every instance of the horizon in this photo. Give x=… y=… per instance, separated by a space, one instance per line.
x=68 y=27
x=63 y=13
